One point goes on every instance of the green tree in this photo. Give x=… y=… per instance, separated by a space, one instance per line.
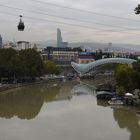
x=98 y=54
x=128 y=78
x=121 y=91
x=20 y=64
x=136 y=74
x=6 y=65
x=137 y=9
x=50 y=68
x=78 y=49
x=123 y=75
x=32 y=64
x=136 y=66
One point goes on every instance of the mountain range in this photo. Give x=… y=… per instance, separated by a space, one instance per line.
x=94 y=46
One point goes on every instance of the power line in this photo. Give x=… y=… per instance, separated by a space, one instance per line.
x=58 y=22
x=74 y=19
x=87 y=11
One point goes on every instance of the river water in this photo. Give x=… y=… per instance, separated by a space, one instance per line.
x=63 y=111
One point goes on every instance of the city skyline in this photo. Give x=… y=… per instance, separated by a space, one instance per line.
x=89 y=21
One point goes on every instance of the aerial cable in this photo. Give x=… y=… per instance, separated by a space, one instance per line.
x=74 y=19
x=59 y=22
x=87 y=11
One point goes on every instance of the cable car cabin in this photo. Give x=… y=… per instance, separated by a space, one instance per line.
x=21 y=25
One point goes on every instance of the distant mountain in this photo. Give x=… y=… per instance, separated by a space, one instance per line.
x=113 y=47
x=44 y=44
x=128 y=47
x=94 y=46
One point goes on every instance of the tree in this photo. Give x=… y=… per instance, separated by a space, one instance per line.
x=78 y=49
x=50 y=68
x=20 y=64
x=128 y=78
x=32 y=64
x=136 y=66
x=137 y=9
x=136 y=74
x=123 y=75
x=98 y=55
x=6 y=65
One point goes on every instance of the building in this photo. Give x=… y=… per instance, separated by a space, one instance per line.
x=1 y=45
x=59 y=38
x=64 y=57
x=61 y=55
x=21 y=45
x=9 y=45
x=60 y=43
x=85 y=57
x=122 y=54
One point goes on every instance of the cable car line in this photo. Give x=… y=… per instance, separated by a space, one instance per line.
x=40 y=19
x=87 y=11
x=58 y=22
x=74 y=19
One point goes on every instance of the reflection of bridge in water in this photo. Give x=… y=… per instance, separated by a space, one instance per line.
x=83 y=89
x=84 y=68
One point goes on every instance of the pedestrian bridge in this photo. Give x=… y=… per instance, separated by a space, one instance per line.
x=84 y=68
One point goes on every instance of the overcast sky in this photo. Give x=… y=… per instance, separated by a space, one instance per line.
x=42 y=27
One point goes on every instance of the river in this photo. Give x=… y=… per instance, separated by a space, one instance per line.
x=63 y=111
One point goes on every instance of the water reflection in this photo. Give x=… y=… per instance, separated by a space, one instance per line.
x=82 y=89
x=65 y=107
x=102 y=103
x=126 y=118
x=25 y=103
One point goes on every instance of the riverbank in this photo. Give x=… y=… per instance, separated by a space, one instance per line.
x=5 y=87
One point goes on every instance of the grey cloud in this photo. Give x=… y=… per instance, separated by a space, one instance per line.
x=43 y=30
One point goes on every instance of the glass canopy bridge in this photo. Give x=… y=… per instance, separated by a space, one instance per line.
x=85 y=68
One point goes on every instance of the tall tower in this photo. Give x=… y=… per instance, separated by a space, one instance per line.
x=59 y=38
x=0 y=41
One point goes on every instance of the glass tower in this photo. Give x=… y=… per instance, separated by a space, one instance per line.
x=59 y=38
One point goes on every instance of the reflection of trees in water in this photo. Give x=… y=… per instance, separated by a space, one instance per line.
x=26 y=103
x=128 y=119
x=102 y=103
